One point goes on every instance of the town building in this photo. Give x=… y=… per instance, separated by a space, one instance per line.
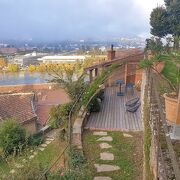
x=61 y=59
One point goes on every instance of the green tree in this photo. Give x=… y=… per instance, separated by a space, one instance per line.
x=166 y=21
x=12 y=136
x=59 y=115
x=71 y=78
x=155 y=45
x=159 y=22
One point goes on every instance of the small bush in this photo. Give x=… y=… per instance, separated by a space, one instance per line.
x=12 y=137
x=59 y=115
x=95 y=104
x=35 y=140
x=77 y=158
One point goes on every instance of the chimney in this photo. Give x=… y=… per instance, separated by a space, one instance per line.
x=111 y=53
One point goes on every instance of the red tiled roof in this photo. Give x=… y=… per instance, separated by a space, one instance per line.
x=48 y=99
x=18 y=106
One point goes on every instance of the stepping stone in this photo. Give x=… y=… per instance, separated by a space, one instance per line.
x=50 y=139
x=31 y=157
x=107 y=138
x=102 y=178
x=106 y=167
x=106 y=156
x=100 y=133
x=48 y=142
x=105 y=146
x=35 y=153
x=43 y=145
x=127 y=135
x=24 y=160
x=12 y=171
x=19 y=166
x=41 y=149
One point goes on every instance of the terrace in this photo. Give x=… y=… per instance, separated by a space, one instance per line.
x=113 y=115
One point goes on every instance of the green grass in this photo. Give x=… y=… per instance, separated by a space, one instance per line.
x=45 y=158
x=127 y=151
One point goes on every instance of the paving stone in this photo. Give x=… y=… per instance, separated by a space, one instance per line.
x=31 y=157
x=43 y=145
x=102 y=178
x=106 y=138
x=106 y=167
x=100 y=133
x=19 y=166
x=48 y=142
x=12 y=171
x=41 y=149
x=50 y=139
x=105 y=146
x=127 y=135
x=24 y=160
x=106 y=156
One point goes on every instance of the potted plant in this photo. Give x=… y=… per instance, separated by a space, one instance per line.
x=171 y=74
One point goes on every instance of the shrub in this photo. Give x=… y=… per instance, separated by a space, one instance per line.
x=36 y=139
x=77 y=158
x=12 y=136
x=59 y=115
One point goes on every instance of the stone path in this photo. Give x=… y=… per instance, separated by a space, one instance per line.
x=32 y=154
x=105 y=156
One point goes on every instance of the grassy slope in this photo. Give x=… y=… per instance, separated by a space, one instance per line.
x=128 y=155
x=45 y=157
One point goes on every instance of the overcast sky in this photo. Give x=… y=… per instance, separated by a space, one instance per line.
x=74 y=19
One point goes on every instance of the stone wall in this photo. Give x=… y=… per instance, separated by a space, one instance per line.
x=31 y=126
x=78 y=128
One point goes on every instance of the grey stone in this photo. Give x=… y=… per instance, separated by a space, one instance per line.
x=106 y=156
x=41 y=149
x=100 y=133
x=50 y=139
x=48 y=142
x=31 y=157
x=106 y=138
x=19 y=166
x=127 y=135
x=12 y=171
x=105 y=146
x=106 y=167
x=102 y=178
x=43 y=145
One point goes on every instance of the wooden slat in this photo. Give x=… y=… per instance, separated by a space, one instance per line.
x=113 y=115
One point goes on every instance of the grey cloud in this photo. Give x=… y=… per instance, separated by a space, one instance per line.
x=65 y=19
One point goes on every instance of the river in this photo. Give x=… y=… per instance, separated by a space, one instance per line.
x=23 y=78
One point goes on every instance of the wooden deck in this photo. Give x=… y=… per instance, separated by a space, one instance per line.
x=113 y=115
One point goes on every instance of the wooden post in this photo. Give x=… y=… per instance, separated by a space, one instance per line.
x=91 y=75
x=96 y=72
x=126 y=73
x=178 y=109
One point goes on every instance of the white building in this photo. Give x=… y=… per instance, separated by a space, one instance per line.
x=61 y=59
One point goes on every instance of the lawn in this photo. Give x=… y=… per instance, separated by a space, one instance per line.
x=128 y=154
x=43 y=158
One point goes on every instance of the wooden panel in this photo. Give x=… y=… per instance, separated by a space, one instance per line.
x=113 y=115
